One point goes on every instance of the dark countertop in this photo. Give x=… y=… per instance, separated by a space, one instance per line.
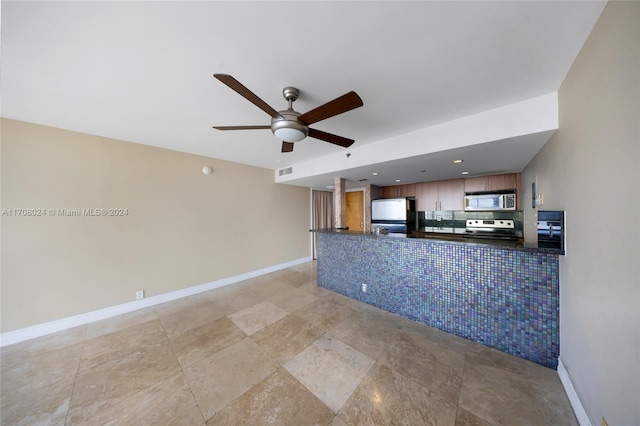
x=455 y=239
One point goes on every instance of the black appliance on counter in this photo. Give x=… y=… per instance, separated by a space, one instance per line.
x=551 y=229
x=496 y=229
x=395 y=215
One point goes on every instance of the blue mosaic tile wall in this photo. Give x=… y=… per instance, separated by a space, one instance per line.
x=505 y=299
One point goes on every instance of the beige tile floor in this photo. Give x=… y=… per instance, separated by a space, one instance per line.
x=276 y=349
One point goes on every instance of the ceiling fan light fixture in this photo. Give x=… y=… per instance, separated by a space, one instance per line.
x=287 y=128
x=289 y=134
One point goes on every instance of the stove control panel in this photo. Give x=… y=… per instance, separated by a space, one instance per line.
x=491 y=224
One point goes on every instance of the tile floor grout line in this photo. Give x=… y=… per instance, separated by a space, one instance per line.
x=246 y=336
x=416 y=382
x=75 y=379
x=464 y=369
x=186 y=379
x=310 y=391
x=145 y=388
x=243 y=393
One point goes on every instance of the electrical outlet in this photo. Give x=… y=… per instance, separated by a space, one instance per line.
x=139 y=294
x=364 y=287
x=604 y=422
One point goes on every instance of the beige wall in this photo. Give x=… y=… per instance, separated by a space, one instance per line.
x=182 y=229
x=590 y=168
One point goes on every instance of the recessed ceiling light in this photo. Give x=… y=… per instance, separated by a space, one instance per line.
x=374 y=174
x=397 y=180
x=465 y=173
x=457 y=161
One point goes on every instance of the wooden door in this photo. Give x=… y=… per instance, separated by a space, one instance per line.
x=354 y=210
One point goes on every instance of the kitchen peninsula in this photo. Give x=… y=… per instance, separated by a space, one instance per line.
x=503 y=295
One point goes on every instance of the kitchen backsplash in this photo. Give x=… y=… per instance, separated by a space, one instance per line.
x=455 y=221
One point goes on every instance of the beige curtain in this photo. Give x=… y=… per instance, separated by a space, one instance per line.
x=322 y=208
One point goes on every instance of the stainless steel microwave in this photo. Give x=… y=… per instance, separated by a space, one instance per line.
x=489 y=201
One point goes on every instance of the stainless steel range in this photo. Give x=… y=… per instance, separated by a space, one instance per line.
x=501 y=229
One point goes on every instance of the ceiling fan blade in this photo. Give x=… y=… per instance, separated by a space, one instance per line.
x=247 y=94
x=328 y=137
x=344 y=103
x=287 y=146
x=241 y=127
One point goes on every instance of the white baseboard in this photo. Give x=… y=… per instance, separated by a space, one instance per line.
x=576 y=404
x=17 y=336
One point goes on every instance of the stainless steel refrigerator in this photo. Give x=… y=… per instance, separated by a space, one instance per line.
x=395 y=214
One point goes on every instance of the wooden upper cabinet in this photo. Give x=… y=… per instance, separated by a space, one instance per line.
x=389 y=191
x=451 y=194
x=408 y=190
x=427 y=196
x=395 y=191
x=500 y=182
x=440 y=195
x=476 y=184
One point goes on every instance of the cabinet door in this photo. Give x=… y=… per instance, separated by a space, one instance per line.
x=389 y=192
x=408 y=190
x=427 y=196
x=502 y=182
x=451 y=194
x=395 y=191
x=476 y=184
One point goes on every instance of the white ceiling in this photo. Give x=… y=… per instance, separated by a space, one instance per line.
x=143 y=71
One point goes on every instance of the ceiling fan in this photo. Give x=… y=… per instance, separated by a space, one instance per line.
x=290 y=125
